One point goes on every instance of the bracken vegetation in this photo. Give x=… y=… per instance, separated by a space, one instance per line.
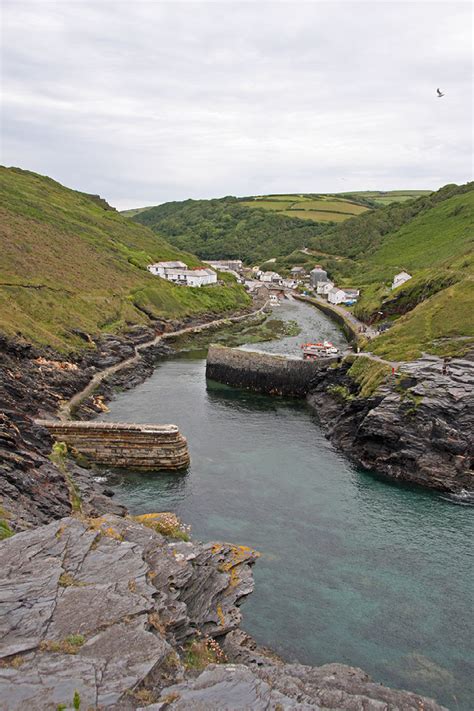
x=71 y=263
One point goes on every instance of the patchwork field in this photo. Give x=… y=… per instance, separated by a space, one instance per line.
x=318 y=208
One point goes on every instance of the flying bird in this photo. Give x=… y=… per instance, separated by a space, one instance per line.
x=440 y=93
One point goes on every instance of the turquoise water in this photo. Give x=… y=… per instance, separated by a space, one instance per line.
x=353 y=569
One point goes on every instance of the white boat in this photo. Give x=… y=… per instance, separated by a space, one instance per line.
x=322 y=349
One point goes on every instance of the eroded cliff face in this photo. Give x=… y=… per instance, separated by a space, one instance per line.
x=111 y=612
x=416 y=427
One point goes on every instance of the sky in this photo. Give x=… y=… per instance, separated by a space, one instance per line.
x=144 y=101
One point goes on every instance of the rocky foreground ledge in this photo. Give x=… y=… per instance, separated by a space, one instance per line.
x=109 y=613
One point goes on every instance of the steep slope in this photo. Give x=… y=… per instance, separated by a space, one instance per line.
x=71 y=263
x=432 y=312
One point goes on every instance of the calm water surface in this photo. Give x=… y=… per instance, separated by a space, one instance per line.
x=353 y=569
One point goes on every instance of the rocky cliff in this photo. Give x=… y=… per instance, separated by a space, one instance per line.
x=109 y=613
x=415 y=426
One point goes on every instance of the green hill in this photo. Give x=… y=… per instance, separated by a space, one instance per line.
x=228 y=228
x=70 y=262
x=259 y=227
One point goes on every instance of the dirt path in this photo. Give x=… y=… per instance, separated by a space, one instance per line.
x=64 y=412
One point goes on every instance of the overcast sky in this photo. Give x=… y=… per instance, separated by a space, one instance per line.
x=146 y=101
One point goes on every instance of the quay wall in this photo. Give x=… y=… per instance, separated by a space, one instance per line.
x=261 y=372
x=131 y=446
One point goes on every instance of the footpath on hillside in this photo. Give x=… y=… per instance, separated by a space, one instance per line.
x=64 y=412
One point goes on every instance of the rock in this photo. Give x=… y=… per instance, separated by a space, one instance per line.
x=415 y=428
x=233 y=687
x=105 y=608
x=98 y=606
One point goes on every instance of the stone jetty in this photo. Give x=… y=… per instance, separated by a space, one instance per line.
x=133 y=446
x=261 y=372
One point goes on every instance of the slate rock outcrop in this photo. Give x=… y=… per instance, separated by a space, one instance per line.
x=416 y=427
x=105 y=609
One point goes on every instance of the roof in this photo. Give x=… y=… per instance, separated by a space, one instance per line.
x=352 y=292
x=318 y=269
x=334 y=290
x=402 y=274
x=171 y=265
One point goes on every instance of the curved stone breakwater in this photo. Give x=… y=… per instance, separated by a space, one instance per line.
x=263 y=373
x=139 y=447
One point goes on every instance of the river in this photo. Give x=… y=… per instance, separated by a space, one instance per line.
x=353 y=568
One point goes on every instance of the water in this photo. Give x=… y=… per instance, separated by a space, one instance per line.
x=314 y=325
x=353 y=569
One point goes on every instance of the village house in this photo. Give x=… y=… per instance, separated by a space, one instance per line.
x=351 y=296
x=271 y=277
x=160 y=268
x=336 y=295
x=298 y=272
x=400 y=279
x=179 y=273
x=290 y=283
x=342 y=296
x=324 y=287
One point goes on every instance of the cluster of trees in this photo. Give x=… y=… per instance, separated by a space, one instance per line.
x=223 y=228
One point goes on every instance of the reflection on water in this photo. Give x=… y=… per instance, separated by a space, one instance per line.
x=353 y=569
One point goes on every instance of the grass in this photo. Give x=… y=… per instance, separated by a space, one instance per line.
x=318 y=208
x=199 y=653
x=441 y=325
x=70 y=645
x=69 y=262
x=368 y=374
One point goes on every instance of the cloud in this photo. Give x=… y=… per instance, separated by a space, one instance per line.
x=151 y=101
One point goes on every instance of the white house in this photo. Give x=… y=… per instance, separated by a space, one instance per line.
x=290 y=283
x=200 y=277
x=351 y=295
x=342 y=296
x=336 y=295
x=324 y=287
x=178 y=273
x=271 y=277
x=160 y=268
x=400 y=279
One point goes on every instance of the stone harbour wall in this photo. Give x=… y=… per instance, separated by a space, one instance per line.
x=261 y=372
x=132 y=446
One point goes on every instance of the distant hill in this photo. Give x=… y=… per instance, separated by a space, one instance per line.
x=228 y=228
x=259 y=227
x=69 y=261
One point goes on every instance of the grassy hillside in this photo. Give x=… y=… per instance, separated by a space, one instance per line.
x=69 y=262
x=227 y=227
x=433 y=310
